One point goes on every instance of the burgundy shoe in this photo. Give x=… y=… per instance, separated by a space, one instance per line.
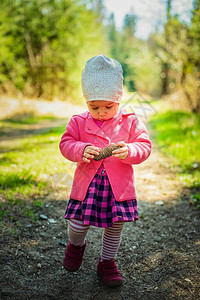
x=109 y=272
x=73 y=257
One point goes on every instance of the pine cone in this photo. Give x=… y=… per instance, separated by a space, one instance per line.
x=106 y=152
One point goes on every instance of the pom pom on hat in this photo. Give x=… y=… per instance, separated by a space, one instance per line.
x=102 y=79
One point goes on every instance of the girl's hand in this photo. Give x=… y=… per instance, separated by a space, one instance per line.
x=121 y=153
x=89 y=153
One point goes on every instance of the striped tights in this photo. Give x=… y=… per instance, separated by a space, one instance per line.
x=111 y=239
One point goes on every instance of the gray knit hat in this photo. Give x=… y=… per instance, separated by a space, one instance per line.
x=102 y=79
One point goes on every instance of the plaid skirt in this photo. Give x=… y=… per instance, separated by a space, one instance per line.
x=99 y=208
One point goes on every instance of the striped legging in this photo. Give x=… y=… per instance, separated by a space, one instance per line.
x=77 y=232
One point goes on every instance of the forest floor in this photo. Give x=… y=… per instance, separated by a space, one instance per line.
x=158 y=255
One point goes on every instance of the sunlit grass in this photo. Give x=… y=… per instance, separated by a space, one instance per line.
x=178 y=135
x=27 y=163
x=27 y=118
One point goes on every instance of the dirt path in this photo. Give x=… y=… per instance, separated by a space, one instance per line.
x=158 y=255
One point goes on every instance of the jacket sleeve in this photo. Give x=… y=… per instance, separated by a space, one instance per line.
x=139 y=145
x=70 y=145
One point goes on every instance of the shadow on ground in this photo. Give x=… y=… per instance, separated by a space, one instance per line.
x=158 y=256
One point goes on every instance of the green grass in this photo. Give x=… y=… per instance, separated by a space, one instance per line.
x=178 y=135
x=27 y=118
x=28 y=162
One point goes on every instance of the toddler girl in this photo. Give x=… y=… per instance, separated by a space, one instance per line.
x=103 y=191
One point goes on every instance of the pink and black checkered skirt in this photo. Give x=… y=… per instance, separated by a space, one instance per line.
x=99 y=208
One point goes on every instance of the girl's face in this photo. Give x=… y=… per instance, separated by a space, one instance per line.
x=103 y=110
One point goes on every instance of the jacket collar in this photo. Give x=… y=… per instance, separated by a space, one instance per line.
x=92 y=128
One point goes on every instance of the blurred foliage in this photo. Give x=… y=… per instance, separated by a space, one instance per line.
x=177 y=50
x=122 y=47
x=44 y=44
x=168 y=61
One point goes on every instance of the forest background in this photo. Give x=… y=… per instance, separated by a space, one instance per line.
x=44 y=45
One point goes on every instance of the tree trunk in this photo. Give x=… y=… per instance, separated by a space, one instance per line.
x=164 y=76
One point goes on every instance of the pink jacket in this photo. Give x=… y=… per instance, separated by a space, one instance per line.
x=82 y=131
